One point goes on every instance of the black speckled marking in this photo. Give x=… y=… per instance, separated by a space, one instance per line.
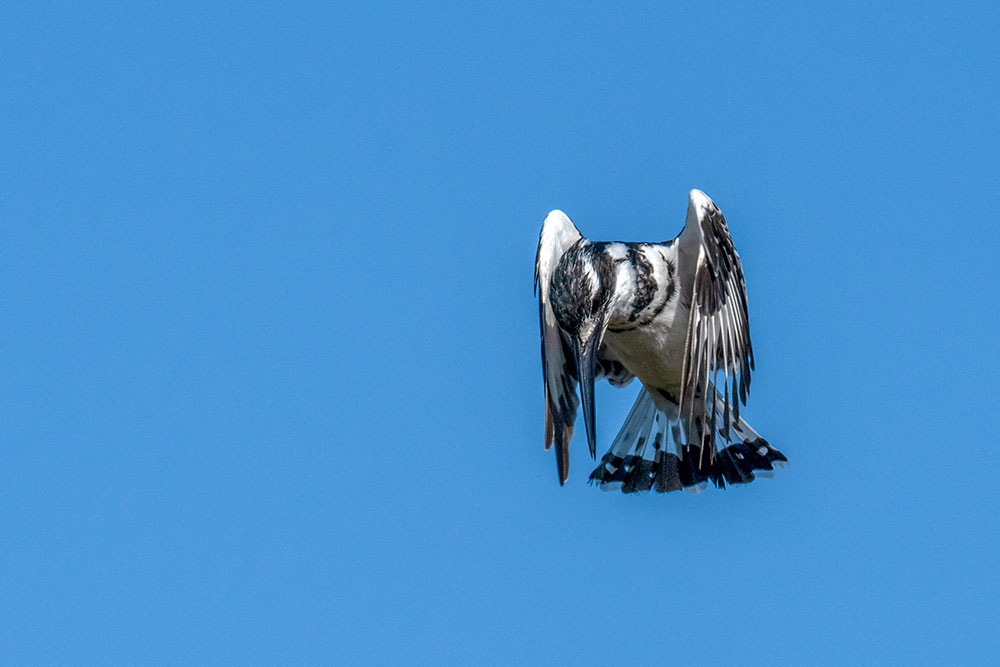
x=643 y=303
x=645 y=283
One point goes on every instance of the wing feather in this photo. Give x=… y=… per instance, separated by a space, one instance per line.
x=718 y=339
x=558 y=369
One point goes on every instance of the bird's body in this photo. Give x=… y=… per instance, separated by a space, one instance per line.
x=671 y=314
x=649 y=335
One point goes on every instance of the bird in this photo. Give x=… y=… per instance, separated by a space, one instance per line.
x=672 y=314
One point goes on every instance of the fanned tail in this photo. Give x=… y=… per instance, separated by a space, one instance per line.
x=658 y=449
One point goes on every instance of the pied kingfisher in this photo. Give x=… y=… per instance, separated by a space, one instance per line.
x=672 y=314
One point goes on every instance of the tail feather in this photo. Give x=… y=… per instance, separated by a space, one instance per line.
x=658 y=449
x=619 y=460
x=639 y=467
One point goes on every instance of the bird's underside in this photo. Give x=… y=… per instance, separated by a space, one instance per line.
x=672 y=314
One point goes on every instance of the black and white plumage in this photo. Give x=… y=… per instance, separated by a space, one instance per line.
x=673 y=315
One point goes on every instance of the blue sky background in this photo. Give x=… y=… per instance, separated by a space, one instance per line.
x=269 y=383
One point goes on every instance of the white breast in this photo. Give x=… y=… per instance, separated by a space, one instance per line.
x=655 y=352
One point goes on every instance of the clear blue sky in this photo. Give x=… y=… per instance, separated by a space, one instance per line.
x=269 y=382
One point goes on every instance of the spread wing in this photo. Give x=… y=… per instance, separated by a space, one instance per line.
x=718 y=335
x=558 y=367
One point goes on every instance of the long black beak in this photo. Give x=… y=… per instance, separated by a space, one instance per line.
x=586 y=363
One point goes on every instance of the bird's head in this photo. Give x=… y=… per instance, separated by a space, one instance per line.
x=581 y=294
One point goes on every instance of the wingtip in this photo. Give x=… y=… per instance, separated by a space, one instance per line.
x=562 y=466
x=562 y=453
